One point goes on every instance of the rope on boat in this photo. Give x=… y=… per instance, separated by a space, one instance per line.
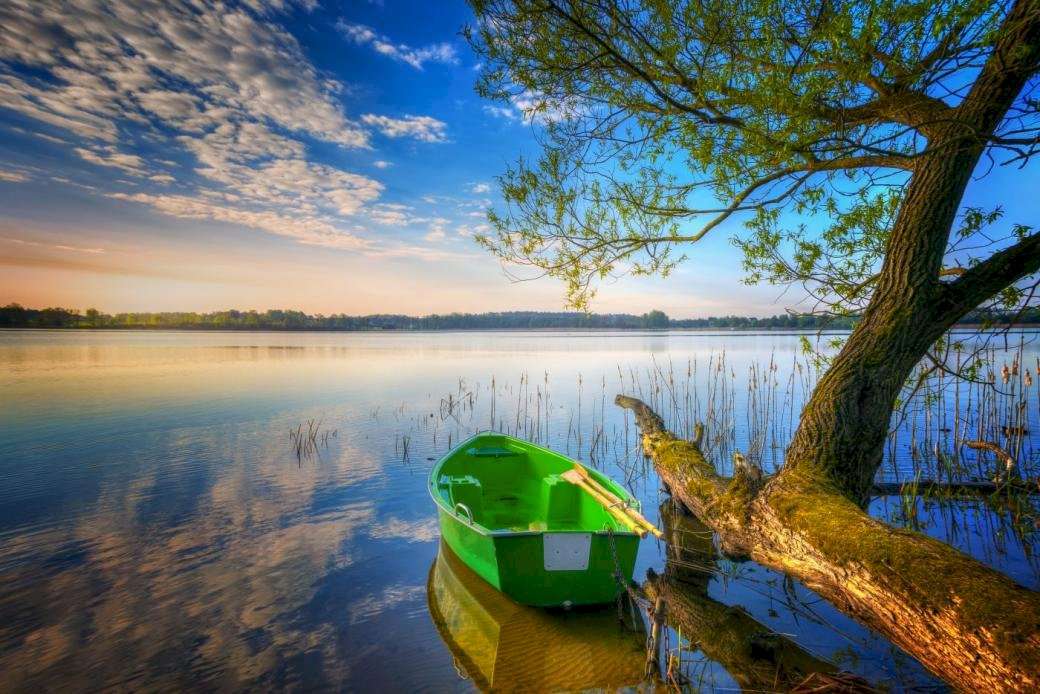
x=654 y=612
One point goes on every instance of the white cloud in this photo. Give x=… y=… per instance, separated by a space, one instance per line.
x=232 y=85
x=422 y=128
x=56 y=246
x=70 y=182
x=381 y=164
x=480 y=188
x=416 y=57
x=537 y=107
x=392 y=214
x=471 y=230
x=170 y=105
x=502 y=112
x=111 y=157
x=312 y=230
x=49 y=107
x=437 y=232
x=13 y=176
x=51 y=138
x=256 y=163
x=175 y=60
x=531 y=107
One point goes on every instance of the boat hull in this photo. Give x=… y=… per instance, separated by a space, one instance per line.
x=514 y=563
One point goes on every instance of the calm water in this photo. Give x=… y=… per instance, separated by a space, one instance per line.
x=158 y=530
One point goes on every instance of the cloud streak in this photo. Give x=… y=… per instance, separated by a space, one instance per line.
x=423 y=128
x=311 y=230
x=111 y=157
x=224 y=83
x=362 y=35
x=55 y=246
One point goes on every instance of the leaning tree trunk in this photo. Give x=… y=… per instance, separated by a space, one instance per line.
x=970 y=625
x=841 y=432
x=967 y=623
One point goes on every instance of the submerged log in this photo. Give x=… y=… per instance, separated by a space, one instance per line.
x=937 y=488
x=970 y=625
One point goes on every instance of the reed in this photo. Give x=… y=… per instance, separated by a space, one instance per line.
x=307 y=443
x=757 y=412
x=752 y=408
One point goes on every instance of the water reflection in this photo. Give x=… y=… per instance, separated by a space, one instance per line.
x=174 y=585
x=158 y=532
x=503 y=646
x=756 y=657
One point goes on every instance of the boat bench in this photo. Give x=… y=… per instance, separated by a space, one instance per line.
x=558 y=502
x=561 y=501
x=464 y=489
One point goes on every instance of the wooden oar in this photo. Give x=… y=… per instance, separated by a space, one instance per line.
x=608 y=503
x=616 y=500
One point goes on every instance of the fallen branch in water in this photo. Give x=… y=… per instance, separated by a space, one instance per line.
x=1002 y=455
x=969 y=624
x=971 y=488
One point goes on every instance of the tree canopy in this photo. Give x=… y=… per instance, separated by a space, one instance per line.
x=660 y=122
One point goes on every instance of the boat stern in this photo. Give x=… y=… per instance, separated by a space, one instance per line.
x=564 y=569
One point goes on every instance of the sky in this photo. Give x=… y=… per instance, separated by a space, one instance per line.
x=320 y=156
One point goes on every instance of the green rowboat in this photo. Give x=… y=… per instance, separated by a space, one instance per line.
x=508 y=513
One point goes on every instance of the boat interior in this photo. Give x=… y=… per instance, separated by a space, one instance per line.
x=504 y=486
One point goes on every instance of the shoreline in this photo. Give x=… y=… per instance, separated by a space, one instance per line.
x=1025 y=328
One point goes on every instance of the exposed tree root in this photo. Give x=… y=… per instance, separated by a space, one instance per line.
x=969 y=624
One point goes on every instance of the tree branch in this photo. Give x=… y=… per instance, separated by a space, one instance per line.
x=1015 y=58
x=982 y=281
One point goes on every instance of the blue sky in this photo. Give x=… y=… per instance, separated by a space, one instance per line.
x=330 y=157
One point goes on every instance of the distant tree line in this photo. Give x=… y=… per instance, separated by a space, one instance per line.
x=15 y=316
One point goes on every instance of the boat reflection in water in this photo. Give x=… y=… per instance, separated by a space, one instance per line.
x=502 y=645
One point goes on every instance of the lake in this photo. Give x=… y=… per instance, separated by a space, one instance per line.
x=159 y=528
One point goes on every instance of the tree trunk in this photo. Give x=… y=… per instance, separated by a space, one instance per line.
x=970 y=625
x=841 y=434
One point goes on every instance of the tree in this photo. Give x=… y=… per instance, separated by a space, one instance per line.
x=655 y=320
x=844 y=134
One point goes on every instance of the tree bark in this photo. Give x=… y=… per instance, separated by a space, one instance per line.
x=970 y=625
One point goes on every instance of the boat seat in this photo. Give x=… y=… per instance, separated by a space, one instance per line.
x=464 y=489
x=561 y=501
x=491 y=452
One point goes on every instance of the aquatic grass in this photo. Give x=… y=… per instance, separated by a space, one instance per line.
x=757 y=413
x=307 y=443
x=753 y=407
